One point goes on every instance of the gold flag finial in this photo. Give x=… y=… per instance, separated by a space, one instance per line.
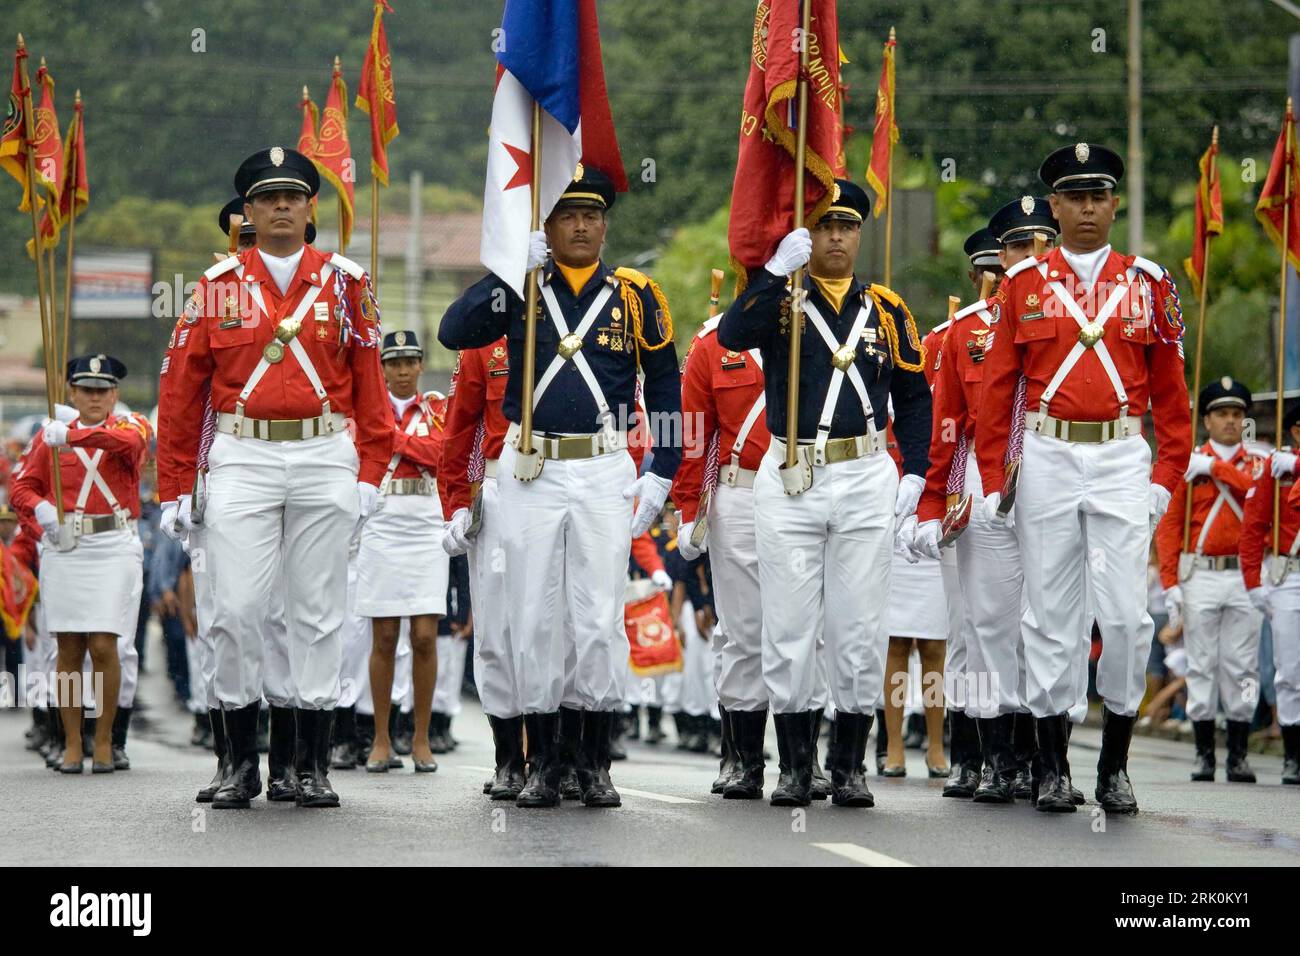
x=1214 y=136
x=954 y=303
x=43 y=63
x=893 y=37
x=21 y=44
x=304 y=92
x=337 y=63
x=77 y=101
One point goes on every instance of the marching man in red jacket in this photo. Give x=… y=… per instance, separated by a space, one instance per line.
x=1203 y=584
x=92 y=563
x=285 y=340
x=1097 y=336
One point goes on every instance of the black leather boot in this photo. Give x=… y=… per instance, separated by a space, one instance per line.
x=997 y=743
x=312 y=758
x=632 y=724
x=343 y=751
x=121 y=725
x=438 y=742
x=243 y=780
x=404 y=736
x=882 y=742
x=964 y=756
x=566 y=751
x=1291 y=758
x=681 y=729
x=281 y=781
x=88 y=725
x=1238 y=743
x=794 y=742
x=914 y=735
x=748 y=728
x=223 y=760
x=263 y=730
x=54 y=752
x=365 y=736
x=508 y=737
x=593 y=759
x=617 y=727
x=201 y=735
x=1023 y=744
x=830 y=744
x=1052 y=766
x=848 y=752
x=1203 y=765
x=699 y=735
x=1075 y=793
x=729 y=767
x=654 y=725
x=542 y=788
x=1114 y=791
x=821 y=787
x=39 y=733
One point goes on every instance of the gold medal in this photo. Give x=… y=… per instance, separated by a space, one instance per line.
x=1091 y=334
x=843 y=357
x=287 y=329
x=569 y=345
x=273 y=352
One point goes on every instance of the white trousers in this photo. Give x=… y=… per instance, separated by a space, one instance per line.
x=403 y=691
x=280 y=512
x=988 y=563
x=1084 y=506
x=354 y=672
x=824 y=567
x=494 y=659
x=41 y=661
x=1221 y=635
x=1284 y=607
x=699 y=694
x=451 y=674
x=733 y=558
x=567 y=538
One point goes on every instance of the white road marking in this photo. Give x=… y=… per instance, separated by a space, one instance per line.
x=643 y=794
x=860 y=854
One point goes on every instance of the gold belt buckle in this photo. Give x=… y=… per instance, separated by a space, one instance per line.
x=284 y=429
x=1088 y=432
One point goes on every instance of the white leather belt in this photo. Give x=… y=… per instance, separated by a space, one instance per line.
x=737 y=477
x=280 y=429
x=839 y=449
x=98 y=524
x=489 y=468
x=1221 y=562
x=410 y=486
x=1086 y=432
x=571 y=447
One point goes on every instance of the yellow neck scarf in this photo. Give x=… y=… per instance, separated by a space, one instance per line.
x=834 y=289
x=577 y=278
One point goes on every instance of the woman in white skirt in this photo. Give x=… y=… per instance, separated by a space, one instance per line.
x=92 y=562
x=401 y=567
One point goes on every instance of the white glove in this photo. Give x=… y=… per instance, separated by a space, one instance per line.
x=370 y=501
x=175 y=518
x=926 y=540
x=454 y=541
x=65 y=413
x=904 y=532
x=1159 y=503
x=1198 y=465
x=536 y=250
x=1174 y=599
x=794 y=251
x=55 y=434
x=47 y=516
x=989 y=511
x=909 y=493
x=653 y=492
x=1259 y=597
x=1282 y=464
x=660 y=579
x=684 y=546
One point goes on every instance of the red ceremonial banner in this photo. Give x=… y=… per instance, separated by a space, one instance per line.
x=654 y=646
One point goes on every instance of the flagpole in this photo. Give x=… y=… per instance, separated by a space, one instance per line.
x=889 y=185
x=72 y=225
x=1200 y=351
x=525 y=446
x=1281 y=317
x=374 y=231
x=29 y=134
x=54 y=320
x=796 y=298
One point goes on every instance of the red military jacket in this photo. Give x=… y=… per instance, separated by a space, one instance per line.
x=418 y=436
x=1257 y=524
x=218 y=342
x=719 y=390
x=475 y=425
x=123 y=439
x=1223 y=537
x=1035 y=332
x=954 y=385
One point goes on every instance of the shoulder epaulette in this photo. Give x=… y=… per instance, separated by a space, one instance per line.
x=709 y=325
x=347 y=265
x=888 y=294
x=970 y=309
x=878 y=292
x=1153 y=269
x=433 y=395
x=1026 y=263
x=638 y=279
x=943 y=325
x=631 y=279
x=221 y=268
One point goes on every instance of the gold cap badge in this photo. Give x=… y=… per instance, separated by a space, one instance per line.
x=277 y=156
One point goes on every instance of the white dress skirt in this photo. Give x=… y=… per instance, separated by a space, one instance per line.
x=401 y=567
x=917 y=608
x=95 y=588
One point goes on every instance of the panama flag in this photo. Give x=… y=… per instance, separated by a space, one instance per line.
x=548 y=51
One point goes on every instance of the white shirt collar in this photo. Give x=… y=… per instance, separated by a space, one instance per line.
x=282 y=269
x=400 y=405
x=1226 y=452
x=1086 y=265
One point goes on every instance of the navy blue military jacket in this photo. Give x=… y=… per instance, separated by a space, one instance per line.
x=759 y=318
x=490 y=309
